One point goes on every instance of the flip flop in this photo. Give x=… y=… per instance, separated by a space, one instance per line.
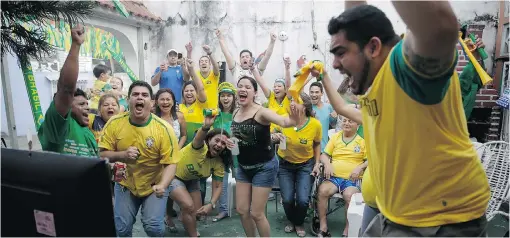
x=289 y=228
x=172 y=229
x=301 y=233
x=220 y=216
x=324 y=234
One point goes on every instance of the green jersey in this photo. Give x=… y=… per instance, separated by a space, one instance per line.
x=64 y=135
x=224 y=121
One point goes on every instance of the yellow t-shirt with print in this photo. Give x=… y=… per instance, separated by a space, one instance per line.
x=300 y=141
x=211 y=83
x=422 y=164
x=156 y=142
x=194 y=164
x=194 y=117
x=368 y=190
x=102 y=87
x=346 y=155
x=280 y=108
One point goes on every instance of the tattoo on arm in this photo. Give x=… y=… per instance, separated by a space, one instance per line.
x=427 y=65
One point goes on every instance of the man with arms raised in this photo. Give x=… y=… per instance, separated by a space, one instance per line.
x=149 y=147
x=425 y=171
x=65 y=127
x=210 y=78
x=171 y=75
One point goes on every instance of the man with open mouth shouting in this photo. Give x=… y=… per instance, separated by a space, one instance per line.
x=149 y=147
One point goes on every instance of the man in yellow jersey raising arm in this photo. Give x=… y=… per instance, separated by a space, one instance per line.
x=425 y=171
x=149 y=147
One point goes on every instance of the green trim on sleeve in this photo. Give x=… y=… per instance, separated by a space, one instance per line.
x=217 y=178
x=428 y=90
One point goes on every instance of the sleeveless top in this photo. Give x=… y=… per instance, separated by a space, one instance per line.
x=254 y=141
x=177 y=128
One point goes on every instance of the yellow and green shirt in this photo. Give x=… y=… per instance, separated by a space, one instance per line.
x=422 y=164
x=195 y=164
x=368 y=190
x=211 y=83
x=280 y=108
x=194 y=117
x=101 y=86
x=300 y=141
x=346 y=155
x=156 y=142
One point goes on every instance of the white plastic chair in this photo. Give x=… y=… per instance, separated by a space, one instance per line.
x=496 y=163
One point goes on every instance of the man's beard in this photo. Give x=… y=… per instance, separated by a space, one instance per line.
x=363 y=79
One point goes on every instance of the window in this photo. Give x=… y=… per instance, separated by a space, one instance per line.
x=504 y=41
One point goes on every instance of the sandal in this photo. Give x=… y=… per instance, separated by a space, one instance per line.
x=220 y=216
x=324 y=234
x=300 y=232
x=172 y=229
x=289 y=228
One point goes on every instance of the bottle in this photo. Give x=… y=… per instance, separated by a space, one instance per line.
x=211 y=112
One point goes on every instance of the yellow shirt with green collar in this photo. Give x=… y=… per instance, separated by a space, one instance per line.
x=345 y=155
x=195 y=164
x=194 y=117
x=300 y=141
x=156 y=142
x=423 y=166
x=211 y=83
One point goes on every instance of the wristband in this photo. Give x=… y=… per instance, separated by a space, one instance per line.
x=206 y=129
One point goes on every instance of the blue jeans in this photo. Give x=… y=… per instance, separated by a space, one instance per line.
x=223 y=202
x=295 y=186
x=263 y=176
x=126 y=207
x=368 y=215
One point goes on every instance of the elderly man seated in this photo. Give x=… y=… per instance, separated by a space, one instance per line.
x=344 y=160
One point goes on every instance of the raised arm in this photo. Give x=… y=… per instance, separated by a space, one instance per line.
x=269 y=51
x=185 y=70
x=338 y=103
x=201 y=95
x=260 y=81
x=429 y=44
x=69 y=73
x=286 y=62
x=228 y=57
x=215 y=66
x=199 y=139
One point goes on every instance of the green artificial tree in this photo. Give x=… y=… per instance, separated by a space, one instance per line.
x=25 y=43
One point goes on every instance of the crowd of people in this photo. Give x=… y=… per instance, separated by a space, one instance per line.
x=404 y=143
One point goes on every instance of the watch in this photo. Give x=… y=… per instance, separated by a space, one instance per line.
x=213 y=205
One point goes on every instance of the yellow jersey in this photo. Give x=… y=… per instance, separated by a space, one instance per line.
x=195 y=164
x=156 y=142
x=345 y=155
x=280 y=108
x=102 y=87
x=194 y=117
x=300 y=141
x=211 y=83
x=422 y=164
x=367 y=189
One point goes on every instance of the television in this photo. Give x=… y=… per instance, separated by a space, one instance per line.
x=49 y=194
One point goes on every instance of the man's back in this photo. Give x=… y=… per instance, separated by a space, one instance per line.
x=418 y=144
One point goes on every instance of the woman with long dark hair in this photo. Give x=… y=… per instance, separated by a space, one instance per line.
x=166 y=109
x=258 y=166
x=207 y=155
x=227 y=105
x=299 y=152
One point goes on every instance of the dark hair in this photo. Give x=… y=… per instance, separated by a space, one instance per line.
x=242 y=51
x=226 y=154
x=99 y=69
x=140 y=84
x=104 y=97
x=179 y=55
x=307 y=102
x=173 y=110
x=463 y=30
x=232 y=107
x=190 y=82
x=361 y=23
x=317 y=84
x=205 y=56
x=252 y=81
x=78 y=92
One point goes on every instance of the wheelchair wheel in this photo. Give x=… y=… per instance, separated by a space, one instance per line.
x=315 y=225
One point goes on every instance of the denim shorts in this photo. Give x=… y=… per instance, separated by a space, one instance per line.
x=262 y=176
x=191 y=185
x=342 y=184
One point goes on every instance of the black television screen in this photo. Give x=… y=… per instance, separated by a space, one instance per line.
x=49 y=194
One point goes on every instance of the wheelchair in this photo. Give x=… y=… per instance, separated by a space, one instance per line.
x=339 y=203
